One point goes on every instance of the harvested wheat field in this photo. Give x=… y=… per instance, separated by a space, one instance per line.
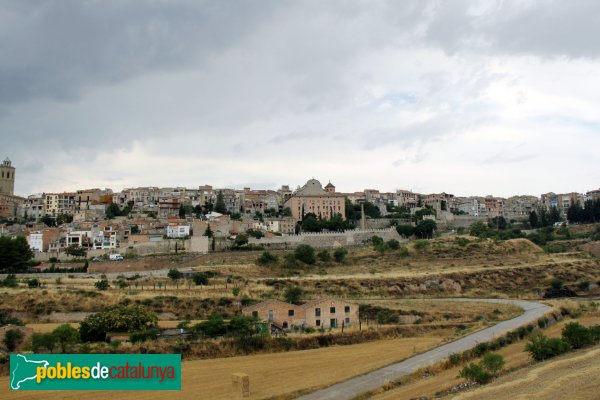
x=270 y=374
x=574 y=376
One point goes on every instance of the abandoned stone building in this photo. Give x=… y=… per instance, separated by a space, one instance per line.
x=322 y=313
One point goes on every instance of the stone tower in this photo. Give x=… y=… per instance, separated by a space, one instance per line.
x=7 y=177
x=330 y=188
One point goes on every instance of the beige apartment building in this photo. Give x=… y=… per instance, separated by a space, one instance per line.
x=59 y=203
x=312 y=198
x=322 y=313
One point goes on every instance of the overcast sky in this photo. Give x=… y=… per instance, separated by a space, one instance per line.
x=466 y=97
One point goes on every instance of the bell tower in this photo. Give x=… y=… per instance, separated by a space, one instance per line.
x=7 y=177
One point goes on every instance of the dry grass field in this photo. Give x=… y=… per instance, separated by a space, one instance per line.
x=270 y=374
x=572 y=376
x=514 y=356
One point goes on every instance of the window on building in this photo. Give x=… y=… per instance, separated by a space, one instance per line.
x=347 y=309
x=285 y=325
x=255 y=314
x=290 y=313
x=332 y=310
x=318 y=322
x=347 y=320
x=333 y=323
x=317 y=312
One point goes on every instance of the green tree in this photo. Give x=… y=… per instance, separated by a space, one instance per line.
x=10 y=281
x=112 y=211
x=340 y=254
x=311 y=224
x=208 y=232
x=405 y=230
x=41 y=341
x=118 y=318
x=305 y=253
x=200 y=278
x=554 y=216
x=293 y=295
x=241 y=326
x=48 y=221
x=174 y=274
x=15 y=254
x=287 y=212
x=65 y=335
x=76 y=251
x=425 y=228
x=213 y=326
x=541 y=347
x=533 y=219
x=220 y=205
x=12 y=339
x=324 y=255
x=241 y=239
x=577 y=335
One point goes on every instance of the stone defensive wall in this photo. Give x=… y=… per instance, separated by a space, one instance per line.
x=327 y=239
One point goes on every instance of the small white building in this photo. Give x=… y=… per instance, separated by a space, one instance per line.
x=175 y=231
x=36 y=241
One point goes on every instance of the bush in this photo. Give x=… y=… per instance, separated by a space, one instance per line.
x=577 y=335
x=34 y=283
x=235 y=291
x=485 y=370
x=9 y=281
x=293 y=294
x=142 y=336
x=541 y=347
x=403 y=252
x=493 y=363
x=266 y=258
x=476 y=373
x=455 y=358
x=102 y=284
x=421 y=244
x=324 y=255
x=462 y=242
x=305 y=253
x=12 y=339
x=340 y=254
x=392 y=244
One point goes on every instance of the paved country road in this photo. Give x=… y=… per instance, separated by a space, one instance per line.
x=373 y=380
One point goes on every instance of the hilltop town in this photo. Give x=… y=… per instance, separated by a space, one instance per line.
x=142 y=220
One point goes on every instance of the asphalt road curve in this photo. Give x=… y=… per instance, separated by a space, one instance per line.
x=375 y=379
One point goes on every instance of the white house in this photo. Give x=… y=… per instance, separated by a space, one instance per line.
x=178 y=231
x=36 y=241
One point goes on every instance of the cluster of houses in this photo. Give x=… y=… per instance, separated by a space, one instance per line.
x=155 y=214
